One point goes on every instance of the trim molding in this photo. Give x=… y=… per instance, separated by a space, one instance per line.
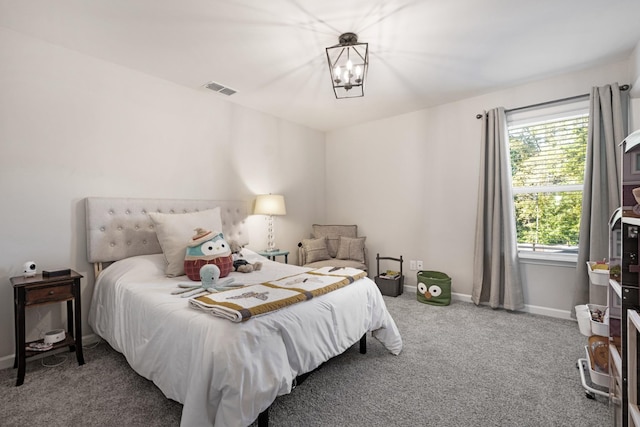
x=7 y=361
x=533 y=309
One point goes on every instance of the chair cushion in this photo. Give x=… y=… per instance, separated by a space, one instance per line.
x=351 y=248
x=333 y=233
x=316 y=249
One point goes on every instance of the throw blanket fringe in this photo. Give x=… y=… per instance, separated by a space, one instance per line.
x=243 y=303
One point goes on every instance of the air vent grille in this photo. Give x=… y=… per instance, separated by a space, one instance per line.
x=227 y=91
x=217 y=87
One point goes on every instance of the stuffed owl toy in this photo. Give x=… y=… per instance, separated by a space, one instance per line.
x=207 y=247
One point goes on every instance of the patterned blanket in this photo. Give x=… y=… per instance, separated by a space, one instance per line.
x=243 y=303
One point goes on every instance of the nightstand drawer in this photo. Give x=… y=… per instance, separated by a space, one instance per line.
x=51 y=293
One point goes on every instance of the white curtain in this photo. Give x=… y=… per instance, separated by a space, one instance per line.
x=601 y=193
x=496 y=275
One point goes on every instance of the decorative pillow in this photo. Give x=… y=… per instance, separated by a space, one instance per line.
x=316 y=249
x=333 y=233
x=350 y=248
x=174 y=232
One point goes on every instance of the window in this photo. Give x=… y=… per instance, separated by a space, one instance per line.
x=548 y=150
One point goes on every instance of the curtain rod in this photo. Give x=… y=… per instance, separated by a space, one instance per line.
x=542 y=104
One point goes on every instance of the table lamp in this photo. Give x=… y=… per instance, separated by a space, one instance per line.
x=270 y=205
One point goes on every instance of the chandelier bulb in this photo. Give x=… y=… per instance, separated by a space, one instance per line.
x=349 y=65
x=358 y=71
x=337 y=71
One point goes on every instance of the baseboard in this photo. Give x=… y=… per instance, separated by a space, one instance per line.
x=533 y=309
x=7 y=361
x=546 y=311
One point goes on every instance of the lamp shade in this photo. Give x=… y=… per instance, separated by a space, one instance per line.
x=270 y=204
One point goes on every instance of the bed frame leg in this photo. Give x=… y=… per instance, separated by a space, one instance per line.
x=263 y=418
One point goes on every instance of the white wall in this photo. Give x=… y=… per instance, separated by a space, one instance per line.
x=410 y=183
x=72 y=126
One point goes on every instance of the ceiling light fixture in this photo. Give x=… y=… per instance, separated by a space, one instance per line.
x=348 y=63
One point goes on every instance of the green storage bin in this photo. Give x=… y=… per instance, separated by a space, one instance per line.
x=434 y=288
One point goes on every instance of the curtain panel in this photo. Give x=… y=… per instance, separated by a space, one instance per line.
x=496 y=273
x=601 y=193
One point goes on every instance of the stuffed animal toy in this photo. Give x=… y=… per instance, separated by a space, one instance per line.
x=207 y=247
x=239 y=263
x=210 y=274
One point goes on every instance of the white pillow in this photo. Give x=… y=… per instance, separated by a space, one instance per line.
x=175 y=230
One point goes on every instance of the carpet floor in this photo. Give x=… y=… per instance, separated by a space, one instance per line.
x=461 y=365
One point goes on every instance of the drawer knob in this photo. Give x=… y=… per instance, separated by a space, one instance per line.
x=51 y=292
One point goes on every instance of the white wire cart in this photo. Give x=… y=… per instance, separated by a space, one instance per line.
x=597 y=378
x=593 y=321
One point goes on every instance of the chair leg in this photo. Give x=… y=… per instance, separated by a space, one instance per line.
x=363 y=344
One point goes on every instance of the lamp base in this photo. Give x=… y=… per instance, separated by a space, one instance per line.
x=271 y=250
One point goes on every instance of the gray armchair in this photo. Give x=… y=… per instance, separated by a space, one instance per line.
x=334 y=245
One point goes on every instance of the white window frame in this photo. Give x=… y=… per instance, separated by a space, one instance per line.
x=532 y=116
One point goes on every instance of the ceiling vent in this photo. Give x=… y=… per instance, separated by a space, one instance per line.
x=217 y=87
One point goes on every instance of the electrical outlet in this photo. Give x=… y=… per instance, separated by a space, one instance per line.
x=412 y=265
x=419 y=265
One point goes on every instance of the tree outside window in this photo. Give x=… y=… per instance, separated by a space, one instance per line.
x=547 y=165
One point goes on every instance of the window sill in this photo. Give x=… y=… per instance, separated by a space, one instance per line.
x=548 y=258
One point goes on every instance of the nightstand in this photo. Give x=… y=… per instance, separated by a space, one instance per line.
x=273 y=254
x=39 y=290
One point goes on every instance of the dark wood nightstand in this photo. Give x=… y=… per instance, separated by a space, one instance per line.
x=39 y=290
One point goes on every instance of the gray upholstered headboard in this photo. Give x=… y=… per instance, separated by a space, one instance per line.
x=119 y=228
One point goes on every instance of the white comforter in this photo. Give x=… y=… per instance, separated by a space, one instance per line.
x=227 y=373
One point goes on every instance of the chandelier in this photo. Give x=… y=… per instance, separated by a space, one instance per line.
x=348 y=62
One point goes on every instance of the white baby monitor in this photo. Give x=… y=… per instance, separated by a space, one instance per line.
x=30 y=269
x=54 y=336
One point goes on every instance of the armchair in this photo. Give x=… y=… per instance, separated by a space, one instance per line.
x=334 y=245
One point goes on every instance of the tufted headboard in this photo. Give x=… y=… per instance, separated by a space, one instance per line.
x=119 y=228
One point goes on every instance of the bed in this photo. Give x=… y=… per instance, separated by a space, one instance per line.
x=224 y=373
